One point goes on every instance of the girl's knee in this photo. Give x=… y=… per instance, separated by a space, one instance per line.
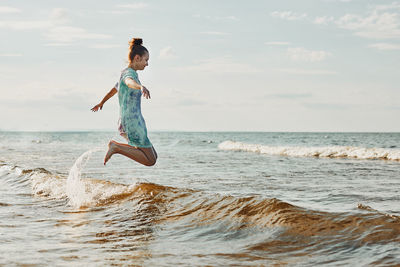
x=151 y=162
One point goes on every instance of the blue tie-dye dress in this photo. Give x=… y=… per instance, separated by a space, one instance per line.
x=132 y=122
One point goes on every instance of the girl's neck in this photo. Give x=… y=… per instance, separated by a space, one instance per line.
x=131 y=65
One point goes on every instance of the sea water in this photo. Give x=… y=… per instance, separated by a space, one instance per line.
x=213 y=198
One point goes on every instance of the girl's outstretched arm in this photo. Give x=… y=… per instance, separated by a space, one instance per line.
x=110 y=94
x=134 y=85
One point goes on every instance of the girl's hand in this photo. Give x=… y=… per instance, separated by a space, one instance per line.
x=97 y=107
x=145 y=92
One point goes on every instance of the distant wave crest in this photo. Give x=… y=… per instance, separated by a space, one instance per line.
x=323 y=152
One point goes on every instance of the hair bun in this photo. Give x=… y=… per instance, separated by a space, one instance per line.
x=135 y=41
x=136 y=48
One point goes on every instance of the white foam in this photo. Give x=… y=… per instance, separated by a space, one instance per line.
x=49 y=185
x=326 y=152
x=6 y=169
x=42 y=183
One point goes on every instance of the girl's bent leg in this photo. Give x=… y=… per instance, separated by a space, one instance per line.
x=145 y=156
x=150 y=153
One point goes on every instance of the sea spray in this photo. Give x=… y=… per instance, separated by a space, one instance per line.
x=91 y=191
x=76 y=189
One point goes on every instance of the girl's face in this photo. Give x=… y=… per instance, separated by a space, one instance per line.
x=141 y=62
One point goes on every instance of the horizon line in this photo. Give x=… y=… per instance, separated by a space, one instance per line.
x=192 y=131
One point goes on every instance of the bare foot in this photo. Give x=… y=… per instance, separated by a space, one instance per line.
x=110 y=152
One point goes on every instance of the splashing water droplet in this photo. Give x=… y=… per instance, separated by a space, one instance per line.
x=75 y=186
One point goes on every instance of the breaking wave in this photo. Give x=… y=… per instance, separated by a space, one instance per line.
x=322 y=152
x=198 y=208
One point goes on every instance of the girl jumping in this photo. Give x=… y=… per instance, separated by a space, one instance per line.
x=132 y=125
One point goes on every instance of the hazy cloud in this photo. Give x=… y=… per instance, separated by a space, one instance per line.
x=105 y=46
x=327 y=106
x=302 y=54
x=214 y=33
x=307 y=71
x=392 y=6
x=25 y=24
x=290 y=96
x=216 y=18
x=221 y=65
x=56 y=28
x=324 y=20
x=288 y=15
x=188 y=102
x=7 y=9
x=385 y=46
x=58 y=44
x=124 y=8
x=167 y=53
x=277 y=43
x=59 y=16
x=71 y=34
x=381 y=22
x=11 y=55
x=133 y=6
x=69 y=101
x=342 y=1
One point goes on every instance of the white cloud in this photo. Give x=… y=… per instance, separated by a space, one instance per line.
x=25 y=24
x=125 y=8
x=290 y=95
x=323 y=20
x=385 y=46
x=56 y=28
x=7 y=9
x=307 y=71
x=228 y=18
x=221 y=65
x=59 y=16
x=214 y=33
x=288 y=15
x=115 y=12
x=105 y=46
x=10 y=55
x=60 y=31
x=70 y=34
x=167 y=53
x=343 y=1
x=133 y=6
x=57 y=44
x=302 y=54
x=393 y=5
x=277 y=43
x=216 y=18
x=381 y=22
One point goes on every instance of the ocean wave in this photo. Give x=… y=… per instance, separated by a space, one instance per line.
x=197 y=208
x=95 y=192
x=323 y=152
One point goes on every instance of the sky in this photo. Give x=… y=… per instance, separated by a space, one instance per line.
x=215 y=65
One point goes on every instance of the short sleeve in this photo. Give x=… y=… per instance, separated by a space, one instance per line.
x=129 y=73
